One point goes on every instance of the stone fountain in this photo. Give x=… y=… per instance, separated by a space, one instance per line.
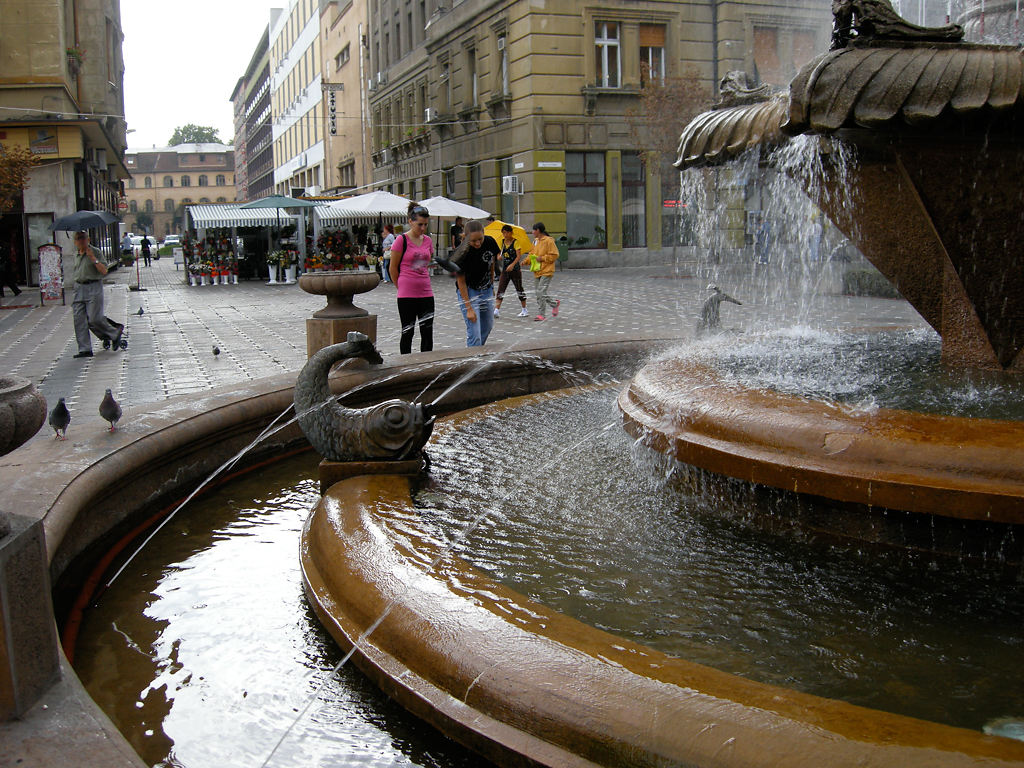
x=933 y=199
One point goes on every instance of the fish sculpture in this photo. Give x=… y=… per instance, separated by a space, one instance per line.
x=392 y=430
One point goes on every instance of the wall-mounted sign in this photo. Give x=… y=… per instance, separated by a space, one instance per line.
x=43 y=142
x=549 y=164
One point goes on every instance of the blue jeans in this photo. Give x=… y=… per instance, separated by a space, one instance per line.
x=483 y=305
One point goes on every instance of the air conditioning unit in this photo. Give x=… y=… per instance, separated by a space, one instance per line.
x=511 y=185
x=385 y=156
x=501 y=43
x=429 y=115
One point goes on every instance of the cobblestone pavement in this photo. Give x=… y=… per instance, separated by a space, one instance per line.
x=260 y=328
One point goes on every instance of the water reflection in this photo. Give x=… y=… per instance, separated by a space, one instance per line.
x=618 y=538
x=204 y=650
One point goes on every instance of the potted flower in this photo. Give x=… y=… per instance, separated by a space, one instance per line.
x=290 y=261
x=75 y=56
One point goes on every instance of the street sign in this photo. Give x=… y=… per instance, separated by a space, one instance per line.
x=332 y=86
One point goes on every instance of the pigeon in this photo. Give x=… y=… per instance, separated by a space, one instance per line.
x=216 y=350
x=110 y=410
x=60 y=417
x=140 y=312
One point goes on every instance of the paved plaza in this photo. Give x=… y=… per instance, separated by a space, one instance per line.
x=260 y=328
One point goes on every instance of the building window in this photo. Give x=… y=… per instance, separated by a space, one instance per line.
x=222 y=199
x=149 y=206
x=186 y=181
x=471 y=78
x=449 y=183
x=476 y=186
x=342 y=58
x=133 y=206
x=186 y=200
x=148 y=182
x=585 y=200
x=221 y=181
x=204 y=199
x=503 y=64
x=634 y=219
x=347 y=174
x=446 y=87
x=203 y=181
x=606 y=42
x=508 y=202
x=652 y=53
x=131 y=183
x=169 y=205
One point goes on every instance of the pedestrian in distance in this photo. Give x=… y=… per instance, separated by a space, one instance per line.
x=545 y=254
x=385 y=247
x=411 y=254
x=8 y=268
x=475 y=282
x=509 y=265
x=87 y=306
x=455 y=233
x=144 y=245
x=126 y=246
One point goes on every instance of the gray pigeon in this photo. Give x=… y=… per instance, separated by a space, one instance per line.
x=216 y=350
x=110 y=410
x=60 y=417
x=140 y=312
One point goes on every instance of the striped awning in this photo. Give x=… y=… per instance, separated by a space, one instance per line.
x=231 y=215
x=336 y=214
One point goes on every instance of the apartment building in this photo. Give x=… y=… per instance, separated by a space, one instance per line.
x=345 y=115
x=296 y=98
x=61 y=97
x=254 y=146
x=165 y=179
x=525 y=109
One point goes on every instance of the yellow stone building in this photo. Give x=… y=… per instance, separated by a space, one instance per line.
x=165 y=179
x=61 y=96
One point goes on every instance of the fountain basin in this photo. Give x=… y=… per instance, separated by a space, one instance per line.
x=513 y=679
x=942 y=465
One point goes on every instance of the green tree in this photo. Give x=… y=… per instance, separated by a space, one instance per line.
x=144 y=221
x=194 y=134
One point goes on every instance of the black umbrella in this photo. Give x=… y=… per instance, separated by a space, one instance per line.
x=83 y=220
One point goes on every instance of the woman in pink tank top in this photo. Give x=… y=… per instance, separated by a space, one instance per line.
x=411 y=254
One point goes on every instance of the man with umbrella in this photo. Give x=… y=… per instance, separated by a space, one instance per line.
x=87 y=306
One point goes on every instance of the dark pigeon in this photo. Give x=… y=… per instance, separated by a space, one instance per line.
x=216 y=350
x=140 y=312
x=60 y=417
x=110 y=410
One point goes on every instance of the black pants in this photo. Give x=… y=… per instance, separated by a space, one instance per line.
x=145 y=257
x=411 y=310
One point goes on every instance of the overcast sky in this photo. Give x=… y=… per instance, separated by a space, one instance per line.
x=182 y=60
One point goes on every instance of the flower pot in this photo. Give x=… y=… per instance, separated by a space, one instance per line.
x=234 y=278
x=289 y=274
x=204 y=280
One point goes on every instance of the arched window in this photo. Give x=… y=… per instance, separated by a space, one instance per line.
x=149 y=206
x=220 y=180
x=186 y=200
x=149 y=182
x=131 y=183
x=169 y=205
x=204 y=199
x=133 y=206
x=222 y=199
x=203 y=181
x=168 y=181
x=186 y=181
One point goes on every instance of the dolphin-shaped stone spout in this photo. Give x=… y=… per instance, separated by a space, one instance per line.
x=393 y=429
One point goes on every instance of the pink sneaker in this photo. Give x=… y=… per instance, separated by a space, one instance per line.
x=538 y=318
x=554 y=309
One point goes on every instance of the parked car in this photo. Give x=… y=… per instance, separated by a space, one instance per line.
x=137 y=245
x=171 y=240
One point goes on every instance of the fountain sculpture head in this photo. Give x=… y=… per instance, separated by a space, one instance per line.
x=392 y=430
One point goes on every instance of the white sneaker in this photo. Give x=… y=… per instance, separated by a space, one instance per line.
x=524 y=313
x=496 y=313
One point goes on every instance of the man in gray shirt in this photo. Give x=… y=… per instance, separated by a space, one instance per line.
x=87 y=306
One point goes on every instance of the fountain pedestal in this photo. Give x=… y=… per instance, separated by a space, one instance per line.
x=332 y=472
x=332 y=324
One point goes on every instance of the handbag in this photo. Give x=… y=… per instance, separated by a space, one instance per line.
x=534 y=263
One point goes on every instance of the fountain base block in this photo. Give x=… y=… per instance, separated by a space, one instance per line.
x=323 y=332
x=969 y=469
x=332 y=472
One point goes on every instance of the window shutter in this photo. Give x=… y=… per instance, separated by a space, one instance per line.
x=652 y=35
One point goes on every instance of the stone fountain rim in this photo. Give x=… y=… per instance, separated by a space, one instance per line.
x=890 y=458
x=619 y=702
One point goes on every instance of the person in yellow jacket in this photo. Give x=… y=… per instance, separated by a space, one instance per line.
x=546 y=253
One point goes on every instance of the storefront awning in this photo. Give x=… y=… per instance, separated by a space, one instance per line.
x=231 y=215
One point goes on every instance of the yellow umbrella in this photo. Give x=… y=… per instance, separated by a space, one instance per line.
x=522 y=241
